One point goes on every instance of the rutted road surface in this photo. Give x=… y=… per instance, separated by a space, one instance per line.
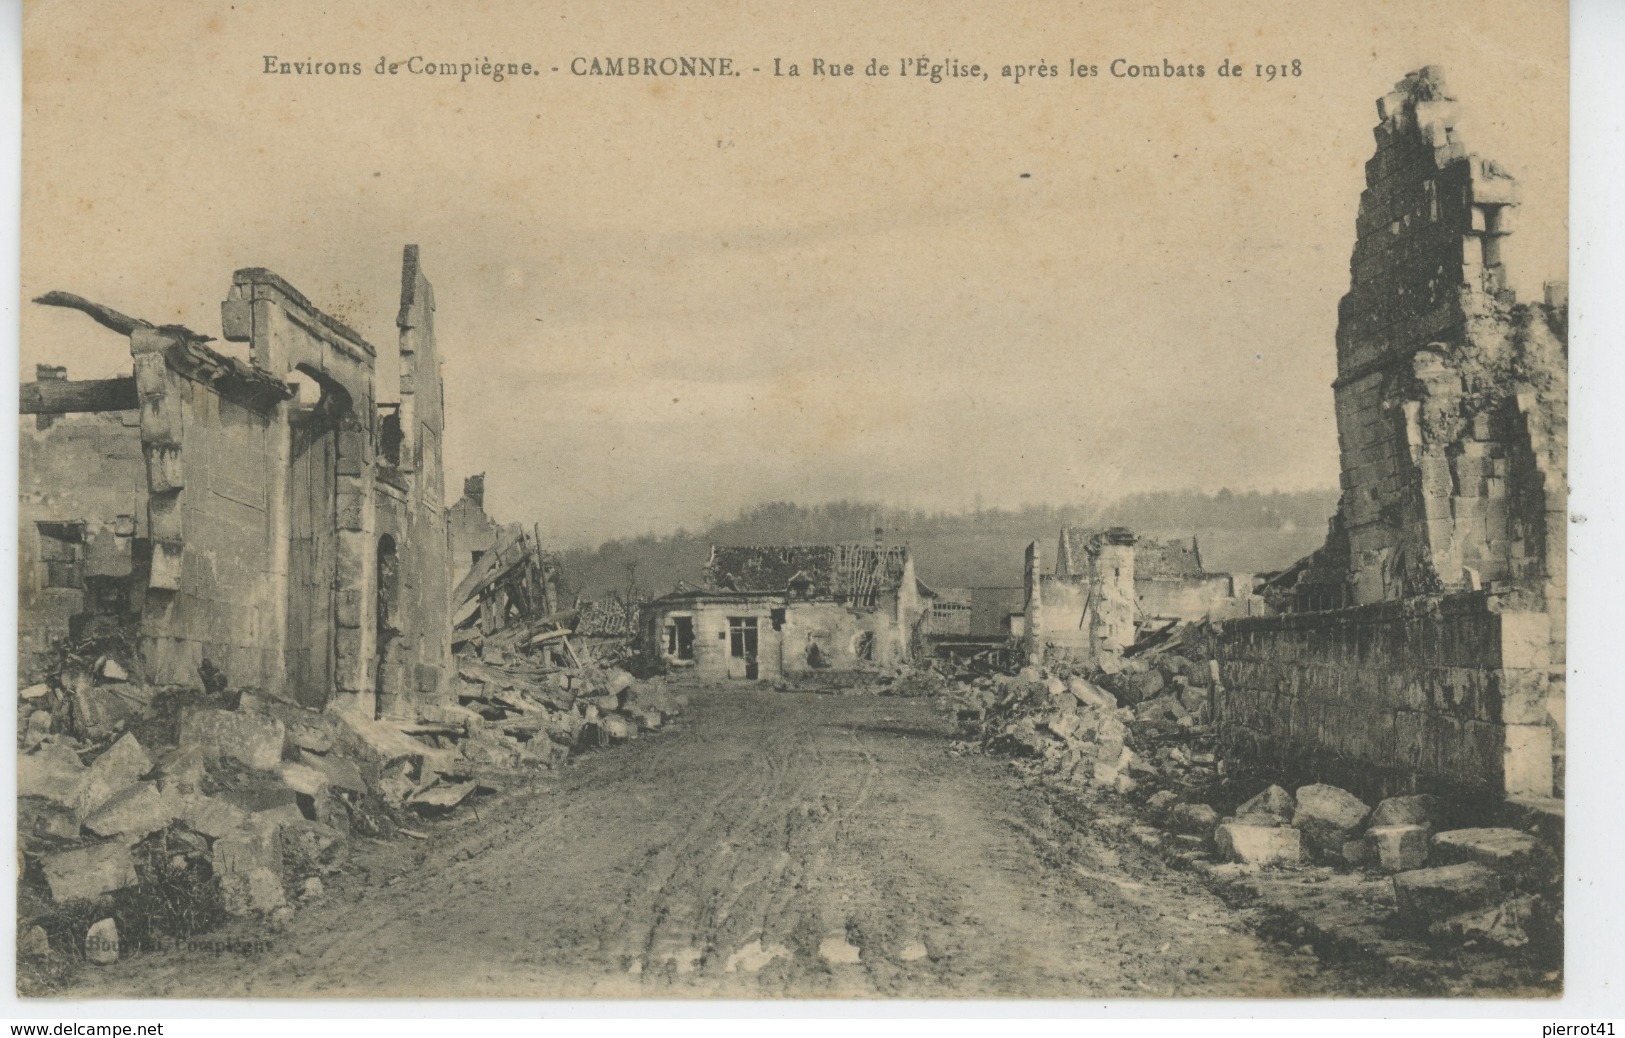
x=774 y=844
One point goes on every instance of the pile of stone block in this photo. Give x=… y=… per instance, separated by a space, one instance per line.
x=1463 y=884
x=514 y=713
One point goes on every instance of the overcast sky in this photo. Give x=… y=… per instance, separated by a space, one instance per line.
x=662 y=300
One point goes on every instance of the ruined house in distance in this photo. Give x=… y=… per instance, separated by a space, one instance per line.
x=1170 y=581
x=1422 y=648
x=1088 y=613
x=265 y=523
x=768 y=612
x=469 y=529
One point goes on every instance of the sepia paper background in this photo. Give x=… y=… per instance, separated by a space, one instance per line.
x=814 y=285
x=660 y=300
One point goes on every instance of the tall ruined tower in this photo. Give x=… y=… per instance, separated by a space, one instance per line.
x=1450 y=394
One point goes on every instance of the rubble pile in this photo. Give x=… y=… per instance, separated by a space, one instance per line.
x=518 y=711
x=1140 y=727
x=1134 y=724
x=147 y=814
x=1496 y=885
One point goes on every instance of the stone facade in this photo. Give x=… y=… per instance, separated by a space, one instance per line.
x=270 y=518
x=1447 y=694
x=1436 y=656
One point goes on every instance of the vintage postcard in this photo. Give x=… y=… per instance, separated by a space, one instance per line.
x=851 y=500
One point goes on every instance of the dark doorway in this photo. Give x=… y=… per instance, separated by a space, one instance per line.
x=742 y=647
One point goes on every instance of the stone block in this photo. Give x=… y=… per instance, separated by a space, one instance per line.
x=245 y=850
x=182 y=770
x=1259 y=844
x=88 y=872
x=255 y=891
x=1429 y=895
x=212 y=816
x=302 y=778
x=381 y=745
x=1527 y=767
x=1508 y=852
x=1274 y=806
x=248 y=739
x=121 y=766
x=1398 y=848
x=1090 y=696
x=1328 y=817
x=268 y=807
x=1421 y=809
x=340 y=772
x=54 y=773
x=135 y=811
x=1192 y=819
x=102 y=943
x=37 y=728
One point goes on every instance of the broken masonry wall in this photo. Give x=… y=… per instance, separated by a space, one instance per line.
x=1439 y=367
x=1215 y=595
x=81 y=510
x=1446 y=695
x=412 y=564
x=847 y=639
x=1066 y=628
x=1447 y=671
x=1111 y=591
x=470 y=531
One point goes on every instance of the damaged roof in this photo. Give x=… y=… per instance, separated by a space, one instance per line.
x=809 y=570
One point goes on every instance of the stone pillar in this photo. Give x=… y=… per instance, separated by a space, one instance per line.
x=1033 y=628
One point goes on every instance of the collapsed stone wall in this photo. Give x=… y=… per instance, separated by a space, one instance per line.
x=1442 y=665
x=1451 y=396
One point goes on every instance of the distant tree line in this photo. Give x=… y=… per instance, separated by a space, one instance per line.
x=1250 y=531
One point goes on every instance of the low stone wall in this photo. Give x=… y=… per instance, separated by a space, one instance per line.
x=1447 y=694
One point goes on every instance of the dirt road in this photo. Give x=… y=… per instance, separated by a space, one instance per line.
x=775 y=844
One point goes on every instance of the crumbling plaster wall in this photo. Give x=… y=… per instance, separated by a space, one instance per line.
x=1086 y=616
x=410 y=507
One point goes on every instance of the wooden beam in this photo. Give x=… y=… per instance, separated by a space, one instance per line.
x=63 y=397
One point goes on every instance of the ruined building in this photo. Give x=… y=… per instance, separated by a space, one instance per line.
x=786 y=610
x=1170 y=581
x=1088 y=612
x=265 y=523
x=1424 y=644
x=472 y=532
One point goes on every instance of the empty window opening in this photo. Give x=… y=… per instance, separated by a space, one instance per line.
x=680 y=637
x=742 y=637
x=62 y=551
x=777 y=617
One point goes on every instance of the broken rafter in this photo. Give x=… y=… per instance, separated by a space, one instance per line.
x=59 y=396
x=112 y=319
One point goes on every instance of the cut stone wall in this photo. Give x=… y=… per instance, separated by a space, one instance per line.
x=1447 y=671
x=1444 y=694
x=247 y=505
